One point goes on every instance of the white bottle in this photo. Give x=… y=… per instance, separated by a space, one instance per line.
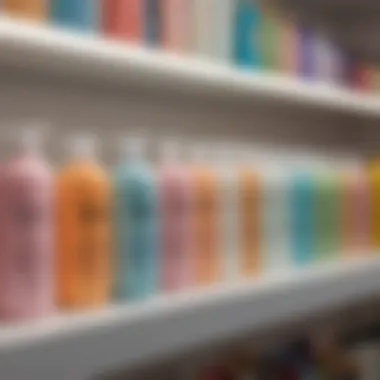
x=227 y=175
x=275 y=223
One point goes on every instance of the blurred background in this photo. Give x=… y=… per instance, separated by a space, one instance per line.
x=270 y=111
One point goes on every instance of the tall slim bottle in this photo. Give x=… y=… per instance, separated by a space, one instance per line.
x=247 y=34
x=174 y=196
x=176 y=25
x=83 y=228
x=303 y=215
x=123 y=19
x=229 y=221
x=28 y=9
x=275 y=201
x=355 y=208
x=328 y=212
x=374 y=190
x=26 y=229
x=204 y=215
x=250 y=190
x=135 y=224
x=80 y=15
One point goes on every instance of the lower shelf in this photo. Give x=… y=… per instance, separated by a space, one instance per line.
x=77 y=347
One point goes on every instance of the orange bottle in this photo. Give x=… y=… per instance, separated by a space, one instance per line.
x=83 y=235
x=30 y=9
x=206 y=255
x=249 y=202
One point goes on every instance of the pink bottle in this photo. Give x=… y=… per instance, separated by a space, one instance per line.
x=174 y=201
x=25 y=232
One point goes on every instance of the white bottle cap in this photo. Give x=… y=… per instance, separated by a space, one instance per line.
x=28 y=138
x=170 y=151
x=82 y=146
x=133 y=148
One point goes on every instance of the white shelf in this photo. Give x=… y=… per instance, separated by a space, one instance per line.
x=78 y=347
x=51 y=51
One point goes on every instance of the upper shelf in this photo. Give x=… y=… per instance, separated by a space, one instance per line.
x=44 y=49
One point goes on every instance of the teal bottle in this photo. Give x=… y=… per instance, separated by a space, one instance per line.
x=82 y=15
x=247 y=34
x=302 y=200
x=135 y=207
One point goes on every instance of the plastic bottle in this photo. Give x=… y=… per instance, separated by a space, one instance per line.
x=355 y=207
x=229 y=221
x=303 y=213
x=174 y=195
x=135 y=224
x=205 y=220
x=275 y=215
x=328 y=211
x=28 y=9
x=176 y=22
x=247 y=34
x=26 y=250
x=374 y=190
x=249 y=208
x=123 y=19
x=153 y=22
x=83 y=230
x=81 y=15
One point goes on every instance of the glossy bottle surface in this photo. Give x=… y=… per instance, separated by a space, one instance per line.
x=374 y=190
x=83 y=232
x=30 y=9
x=81 y=15
x=249 y=221
x=123 y=19
x=26 y=250
x=174 y=202
x=303 y=209
x=204 y=219
x=136 y=231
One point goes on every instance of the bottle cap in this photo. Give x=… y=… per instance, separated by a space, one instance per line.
x=28 y=137
x=170 y=151
x=133 y=148
x=82 y=145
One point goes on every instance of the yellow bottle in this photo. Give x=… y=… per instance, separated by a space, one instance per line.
x=83 y=230
x=29 y=9
x=374 y=190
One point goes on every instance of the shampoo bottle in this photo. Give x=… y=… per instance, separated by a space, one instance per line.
x=135 y=224
x=247 y=34
x=303 y=214
x=123 y=19
x=374 y=191
x=26 y=229
x=83 y=228
x=205 y=219
x=275 y=216
x=249 y=207
x=80 y=15
x=28 y=9
x=229 y=225
x=174 y=195
x=328 y=212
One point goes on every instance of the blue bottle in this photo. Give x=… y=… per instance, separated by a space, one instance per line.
x=247 y=34
x=135 y=226
x=82 y=15
x=302 y=200
x=152 y=22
